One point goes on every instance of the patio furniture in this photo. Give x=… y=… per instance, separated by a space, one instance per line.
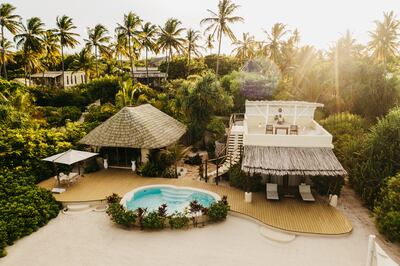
x=294 y=130
x=281 y=127
x=272 y=191
x=269 y=129
x=305 y=192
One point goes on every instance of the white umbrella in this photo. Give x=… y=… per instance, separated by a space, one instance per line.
x=69 y=157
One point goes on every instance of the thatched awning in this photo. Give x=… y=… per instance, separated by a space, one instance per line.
x=143 y=126
x=291 y=161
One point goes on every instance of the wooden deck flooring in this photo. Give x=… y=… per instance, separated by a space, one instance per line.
x=287 y=214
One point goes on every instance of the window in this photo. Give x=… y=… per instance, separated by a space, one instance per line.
x=75 y=79
x=67 y=80
x=82 y=78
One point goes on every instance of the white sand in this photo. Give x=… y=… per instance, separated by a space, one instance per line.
x=90 y=239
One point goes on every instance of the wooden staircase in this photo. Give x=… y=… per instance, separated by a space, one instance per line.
x=232 y=152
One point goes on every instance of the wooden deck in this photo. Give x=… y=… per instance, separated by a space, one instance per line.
x=287 y=214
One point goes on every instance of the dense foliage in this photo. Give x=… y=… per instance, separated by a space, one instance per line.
x=238 y=179
x=387 y=208
x=218 y=210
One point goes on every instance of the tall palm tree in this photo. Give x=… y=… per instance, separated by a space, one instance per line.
x=85 y=62
x=30 y=41
x=274 y=42
x=147 y=39
x=66 y=37
x=210 y=42
x=51 y=49
x=170 y=39
x=12 y=23
x=245 y=48
x=192 y=45
x=98 y=39
x=219 y=23
x=120 y=49
x=129 y=29
x=384 y=43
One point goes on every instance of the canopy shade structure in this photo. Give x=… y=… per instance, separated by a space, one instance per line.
x=70 y=157
x=143 y=127
x=291 y=161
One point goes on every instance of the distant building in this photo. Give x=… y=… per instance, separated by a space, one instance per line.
x=54 y=78
x=153 y=78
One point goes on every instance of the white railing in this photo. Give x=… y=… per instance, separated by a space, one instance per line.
x=376 y=256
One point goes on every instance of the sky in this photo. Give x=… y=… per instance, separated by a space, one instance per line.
x=320 y=22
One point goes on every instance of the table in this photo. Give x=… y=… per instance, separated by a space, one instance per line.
x=281 y=127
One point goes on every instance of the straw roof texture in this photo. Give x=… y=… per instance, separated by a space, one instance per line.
x=143 y=126
x=291 y=161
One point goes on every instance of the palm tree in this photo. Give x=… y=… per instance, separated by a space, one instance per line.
x=170 y=39
x=51 y=49
x=192 y=46
x=8 y=55
x=120 y=48
x=66 y=37
x=272 y=49
x=12 y=23
x=245 y=48
x=210 y=42
x=85 y=62
x=384 y=43
x=97 y=38
x=219 y=23
x=30 y=40
x=129 y=28
x=147 y=39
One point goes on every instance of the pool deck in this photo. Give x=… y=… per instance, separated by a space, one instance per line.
x=291 y=215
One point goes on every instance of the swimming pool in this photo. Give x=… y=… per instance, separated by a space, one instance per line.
x=176 y=198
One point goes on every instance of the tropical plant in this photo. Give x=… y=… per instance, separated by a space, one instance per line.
x=177 y=153
x=30 y=41
x=51 y=48
x=11 y=22
x=129 y=29
x=274 y=42
x=98 y=39
x=245 y=48
x=219 y=23
x=170 y=39
x=66 y=37
x=85 y=62
x=192 y=46
x=147 y=39
x=120 y=215
x=120 y=48
x=178 y=221
x=8 y=54
x=384 y=44
x=210 y=42
x=218 y=211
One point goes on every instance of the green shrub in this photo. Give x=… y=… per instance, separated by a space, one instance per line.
x=387 y=208
x=57 y=116
x=3 y=238
x=178 y=221
x=323 y=183
x=100 y=113
x=153 y=220
x=104 y=88
x=113 y=198
x=218 y=211
x=238 y=179
x=120 y=215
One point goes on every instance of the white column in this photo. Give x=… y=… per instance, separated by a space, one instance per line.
x=371 y=250
x=144 y=155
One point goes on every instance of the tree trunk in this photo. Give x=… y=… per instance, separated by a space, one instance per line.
x=147 y=68
x=97 y=61
x=189 y=52
x=130 y=55
x=62 y=65
x=169 y=59
x=219 y=51
x=3 y=52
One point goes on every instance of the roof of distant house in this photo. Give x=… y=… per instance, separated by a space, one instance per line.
x=54 y=74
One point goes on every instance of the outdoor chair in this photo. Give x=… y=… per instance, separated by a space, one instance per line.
x=272 y=191
x=269 y=129
x=294 y=130
x=305 y=192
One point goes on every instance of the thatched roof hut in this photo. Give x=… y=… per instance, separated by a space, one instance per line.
x=143 y=127
x=282 y=161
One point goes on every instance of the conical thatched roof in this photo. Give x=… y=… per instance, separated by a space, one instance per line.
x=143 y=126
x=291 y=161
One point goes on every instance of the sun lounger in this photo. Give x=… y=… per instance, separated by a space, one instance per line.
x=58 y=190
x=272 y=191
x=305 y=192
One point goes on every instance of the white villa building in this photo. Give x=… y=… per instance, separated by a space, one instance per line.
x=281 y=141
x=54 y=78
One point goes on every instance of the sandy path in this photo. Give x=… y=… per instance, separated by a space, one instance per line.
x=90 y=239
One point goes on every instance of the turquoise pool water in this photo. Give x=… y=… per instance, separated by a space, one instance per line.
x=175 y=198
